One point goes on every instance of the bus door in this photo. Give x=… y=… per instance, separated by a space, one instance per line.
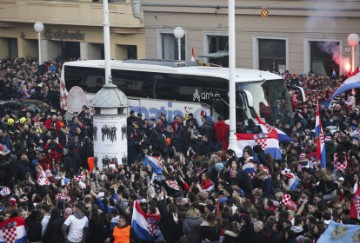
x=244 y=106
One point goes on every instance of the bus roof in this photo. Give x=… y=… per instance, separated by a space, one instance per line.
x=241 y=75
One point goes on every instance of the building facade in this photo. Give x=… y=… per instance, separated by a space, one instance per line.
x=72 y=29
x=278 y=35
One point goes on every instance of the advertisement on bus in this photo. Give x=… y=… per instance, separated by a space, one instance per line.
x=153 y=108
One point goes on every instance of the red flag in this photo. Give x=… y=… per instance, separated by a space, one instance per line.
x=192 y=55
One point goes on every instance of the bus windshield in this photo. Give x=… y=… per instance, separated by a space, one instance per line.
x=271 y=100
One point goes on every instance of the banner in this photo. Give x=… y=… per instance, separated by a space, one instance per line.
x=340 y=233
x=110 y=141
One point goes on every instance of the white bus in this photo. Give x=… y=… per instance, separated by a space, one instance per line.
x=177 y=88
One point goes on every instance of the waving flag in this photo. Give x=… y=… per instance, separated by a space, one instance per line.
x=266 y=128
x=13 y=231
x=155 y=163
x=340 y=233
x=146 y=226
x=319 y=138
x=269 y=142
x=355 y=205
x=352 y=82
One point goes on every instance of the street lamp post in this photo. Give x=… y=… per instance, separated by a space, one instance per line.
x=39 y=27
x=179 y=34
x=353 y=41
x=232 y=69
x=106 y=24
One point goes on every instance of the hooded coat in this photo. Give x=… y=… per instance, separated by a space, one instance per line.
x=191 y=229
x=53 y=233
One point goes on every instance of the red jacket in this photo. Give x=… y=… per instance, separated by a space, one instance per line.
x=52 y=126
x=206 y=184
x=218 y=127
x=225 y=137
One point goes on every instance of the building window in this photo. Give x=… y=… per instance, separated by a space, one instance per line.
x=272 y=55
x=218 y=49
x=131 y=52
x=169 y=47
x=13 y=47
x=323 y=57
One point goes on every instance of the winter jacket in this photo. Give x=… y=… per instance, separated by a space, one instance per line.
x=230 y=237
x=191 y=229
x=246 y=233
x=96 y=232
x=268 y=187
x=219 y=126
x=170 y=229
x=53 y=233
x=259 y=237
x=34 y=230
x=208 y=233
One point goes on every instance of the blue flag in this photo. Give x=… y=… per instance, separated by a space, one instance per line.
x=155 y=163
x=340 y=233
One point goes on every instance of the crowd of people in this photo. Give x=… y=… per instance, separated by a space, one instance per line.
x=188 y=185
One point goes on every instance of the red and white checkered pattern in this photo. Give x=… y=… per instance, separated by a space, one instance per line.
x=269 y=128
x=153 y=229
x=261 y=142
x=62 y=197
x=43 y=181
x=340 y=166
x=286 y=199
x=80 y=177
x=9 y=233
x=5 y=191
x=63 y=95
x=288 y=202
x=173 y=184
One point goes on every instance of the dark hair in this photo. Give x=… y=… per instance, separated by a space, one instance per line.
x=246 y=218
x=45 y=207
x=79 y=206
x=94 y=215
x=173 y=208
x=230 y=152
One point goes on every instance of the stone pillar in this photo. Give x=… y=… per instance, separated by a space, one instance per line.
x=50 y=49
x=110 y=131
x=4 y=48
x=89 y=51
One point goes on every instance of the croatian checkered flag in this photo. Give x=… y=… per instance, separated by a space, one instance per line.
x=260 y=139
x=9 y=232
x=268 y=129
x=286 y=199
x=288 y=202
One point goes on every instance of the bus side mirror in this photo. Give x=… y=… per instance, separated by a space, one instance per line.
x=249 y=98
